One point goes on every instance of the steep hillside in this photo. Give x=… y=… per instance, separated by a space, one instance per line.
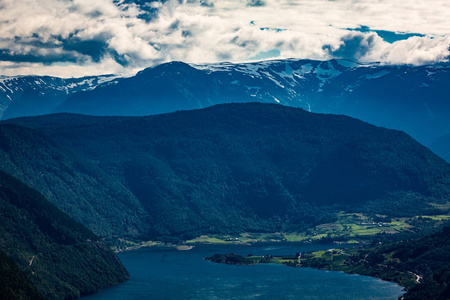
x=13 y=283
x=422 y=265
x=60 y=257
x=430 y=258
x=435 y=286
x=78 y=187
x=253 y=167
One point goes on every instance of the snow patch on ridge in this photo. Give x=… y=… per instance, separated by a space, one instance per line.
x=377 y=74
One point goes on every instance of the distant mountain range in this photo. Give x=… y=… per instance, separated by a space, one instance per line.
x=225 y=169
x=37 y=95
x=413 y=99
x=441 y=146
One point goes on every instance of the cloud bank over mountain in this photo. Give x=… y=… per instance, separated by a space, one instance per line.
x=123 y=36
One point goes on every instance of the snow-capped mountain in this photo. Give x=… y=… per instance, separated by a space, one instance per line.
x=414 y=99
x=35 y=95
x=408 y=98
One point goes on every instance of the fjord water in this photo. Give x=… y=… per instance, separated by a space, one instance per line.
x=167 y=273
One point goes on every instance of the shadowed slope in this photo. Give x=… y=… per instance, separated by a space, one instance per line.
x=253 y=167
x=60 y=257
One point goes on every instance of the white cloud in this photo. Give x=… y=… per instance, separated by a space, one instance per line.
x=83 y=37
x=415 y=50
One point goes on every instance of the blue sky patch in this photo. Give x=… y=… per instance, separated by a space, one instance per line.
x=266 y=54
x=387 y=36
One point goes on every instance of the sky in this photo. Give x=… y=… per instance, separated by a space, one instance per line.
x=73 y=38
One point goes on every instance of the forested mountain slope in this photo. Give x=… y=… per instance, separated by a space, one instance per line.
x=429 y=257
x=422 y=264
x=252 y=167
x=14 y=284
x=59 y=256
x=76 y=185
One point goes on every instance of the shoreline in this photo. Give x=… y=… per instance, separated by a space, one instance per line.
x=354 y=228
x=305 y=262
x=324 y=260
x=188 y=245
x=151 y=244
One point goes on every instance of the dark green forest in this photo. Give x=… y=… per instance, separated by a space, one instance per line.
x=61 y=258
x=14 y=284
x=74 y=184
x=429 y=256
x=422 y=265
x=228 y=169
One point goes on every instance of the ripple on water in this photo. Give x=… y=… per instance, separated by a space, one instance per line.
x=160 y=273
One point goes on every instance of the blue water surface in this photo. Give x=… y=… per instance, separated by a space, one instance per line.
x=167 y=273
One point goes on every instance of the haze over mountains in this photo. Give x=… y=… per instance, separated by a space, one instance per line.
x=226 y=169
x=413 y=99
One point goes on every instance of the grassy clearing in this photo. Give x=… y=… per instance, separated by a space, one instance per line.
x=319 y=254
x=243 y=238
x=442 y=207
x=207 y=240
x=438 y=217
x=349 y=228
x=125 y=245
